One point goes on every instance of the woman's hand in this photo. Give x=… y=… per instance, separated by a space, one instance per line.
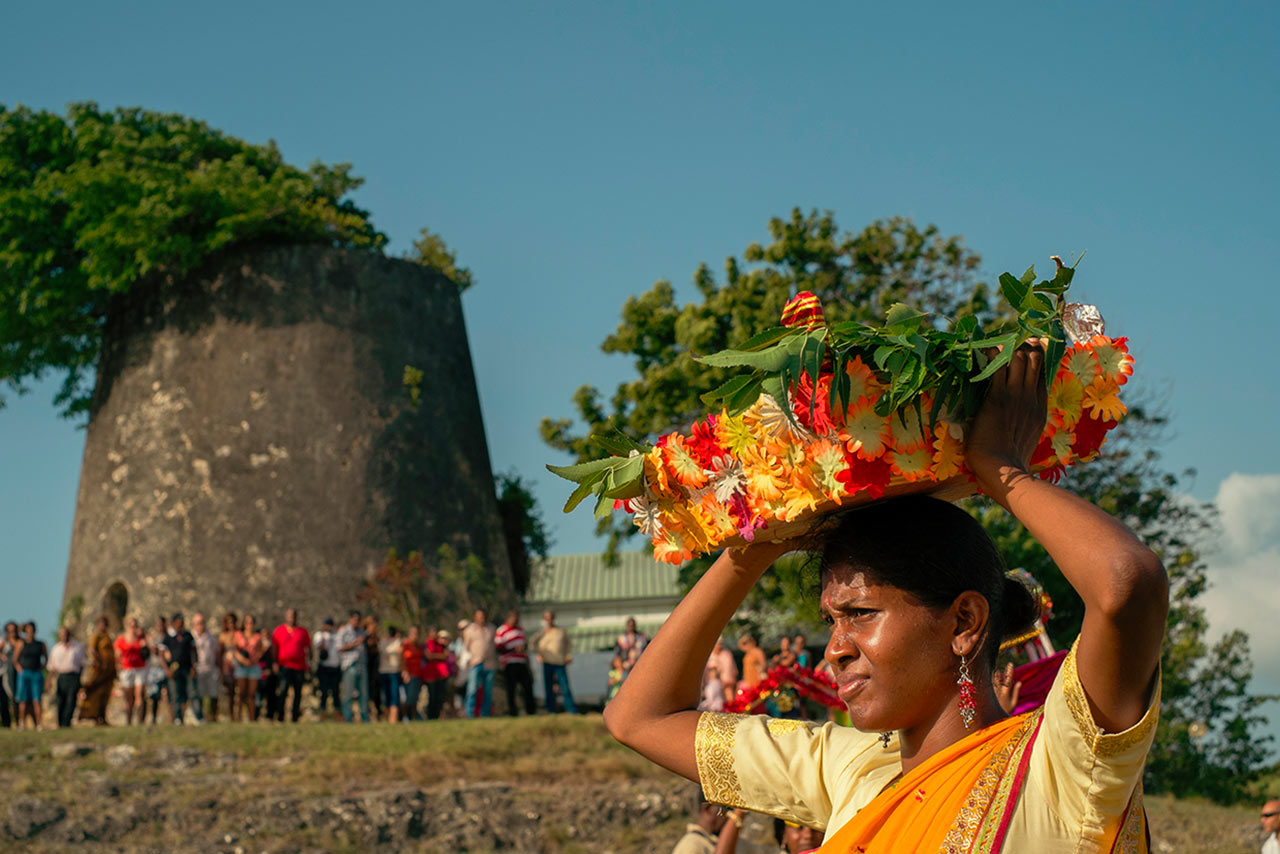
x=1009 y=424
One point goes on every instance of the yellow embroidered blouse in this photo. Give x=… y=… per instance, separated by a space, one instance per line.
x=1080 y=780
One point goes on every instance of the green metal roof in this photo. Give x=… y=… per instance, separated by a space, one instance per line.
x=597 y=639
x=585 y=578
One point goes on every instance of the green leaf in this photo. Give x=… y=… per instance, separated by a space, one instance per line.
x=999 y=360
x=1039 y=302
x=1053 y=354
x=727 y=390
x=773 y=386
x=618 y=443
x=577 y=473
x=1014 y=291
x=575 y=498
x=769 y=360
x=1029 y=276
x=965 y=326
x=764 y=339
x=745 y=396
x=626 y=480
x=902 y=317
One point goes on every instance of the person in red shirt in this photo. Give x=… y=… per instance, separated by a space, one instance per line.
x=292 y=644
x=411 y=673
x=435 y=672
x=132 y=662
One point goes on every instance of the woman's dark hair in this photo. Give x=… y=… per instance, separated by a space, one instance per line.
x=935 y=551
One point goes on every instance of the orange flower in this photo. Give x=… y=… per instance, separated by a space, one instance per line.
x=682 y=463
x=1066 y=400
x=765 y=476
x=948 y=456
x=669 y=547
x=862 y=381
x=905 y=432
x=1114 y=361
x=865 y=433
x=716 y=519
x=1102 y=399
x=656 y=475
x=1081 y=361
x=828 y=464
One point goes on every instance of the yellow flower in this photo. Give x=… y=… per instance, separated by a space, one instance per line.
x=798 y=502
x=1066 y=400
x=1102 y=399
x=733 y=433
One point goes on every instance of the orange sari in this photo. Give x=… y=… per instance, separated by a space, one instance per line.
x=960 y=799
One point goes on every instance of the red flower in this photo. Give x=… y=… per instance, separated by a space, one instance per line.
x=1089 y=435
x=704 y=444
x=802 y=398
x=871 y=475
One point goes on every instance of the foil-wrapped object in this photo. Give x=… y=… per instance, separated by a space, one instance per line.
x=1082 y=321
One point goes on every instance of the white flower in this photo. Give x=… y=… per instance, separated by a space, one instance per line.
x=645 y=516
x=727 y=478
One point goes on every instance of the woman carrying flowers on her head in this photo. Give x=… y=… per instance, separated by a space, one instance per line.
x=918 y=604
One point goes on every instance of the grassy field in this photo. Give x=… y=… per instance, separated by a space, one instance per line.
x=544 y=784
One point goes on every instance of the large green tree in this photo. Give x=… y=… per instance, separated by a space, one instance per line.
x=95 y=202
x=1208 y=742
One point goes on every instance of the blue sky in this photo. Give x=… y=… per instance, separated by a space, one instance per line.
x=575 y=153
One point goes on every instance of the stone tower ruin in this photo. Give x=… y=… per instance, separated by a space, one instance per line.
x=253 y=445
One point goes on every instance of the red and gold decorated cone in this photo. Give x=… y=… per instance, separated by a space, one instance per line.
x=803 y=311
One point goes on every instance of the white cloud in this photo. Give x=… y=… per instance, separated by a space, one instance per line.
x=1244 y=574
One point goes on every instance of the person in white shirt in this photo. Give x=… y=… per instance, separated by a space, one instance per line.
x=208 y=676
x=328 y=674
x=66 y=661
x=1271 y=826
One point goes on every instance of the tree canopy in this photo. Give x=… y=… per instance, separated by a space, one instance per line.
x=94 y=202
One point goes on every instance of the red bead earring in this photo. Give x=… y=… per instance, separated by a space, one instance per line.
x=968 y=694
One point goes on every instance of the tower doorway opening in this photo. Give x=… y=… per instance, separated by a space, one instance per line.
x=115 y=604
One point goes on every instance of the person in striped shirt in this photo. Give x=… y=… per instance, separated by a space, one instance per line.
x=513 y=657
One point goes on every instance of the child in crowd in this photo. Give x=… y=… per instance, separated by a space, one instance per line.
x=616 y=675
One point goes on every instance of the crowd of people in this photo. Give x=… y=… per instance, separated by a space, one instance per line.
x=359 y=670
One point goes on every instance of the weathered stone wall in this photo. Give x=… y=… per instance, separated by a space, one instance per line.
x=252 y=447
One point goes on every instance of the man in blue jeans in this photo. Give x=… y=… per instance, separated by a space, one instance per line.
x=553 y=649
x=355 y=670
x=477 y=638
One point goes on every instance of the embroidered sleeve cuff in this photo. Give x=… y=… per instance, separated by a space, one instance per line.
x=713 y=746
x=1103 y=744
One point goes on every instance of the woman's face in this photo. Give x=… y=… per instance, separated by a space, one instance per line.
x=890 y=654
x=797 y=839
x=249 y=625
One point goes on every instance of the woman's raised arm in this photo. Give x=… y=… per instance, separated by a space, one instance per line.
x=655 y=711
x=1122 y=582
